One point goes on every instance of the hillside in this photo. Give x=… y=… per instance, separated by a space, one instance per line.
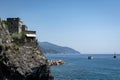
x=20 y=57
x=47 y=47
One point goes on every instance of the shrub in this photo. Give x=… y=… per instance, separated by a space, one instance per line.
x=18 y=36
x=7 y=23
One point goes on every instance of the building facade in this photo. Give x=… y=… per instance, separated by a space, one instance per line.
x=30 y=36
x=24 y=28
x=15 y=25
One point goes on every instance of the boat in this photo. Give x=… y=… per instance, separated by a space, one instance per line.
x=90 y=57
x=114 y=56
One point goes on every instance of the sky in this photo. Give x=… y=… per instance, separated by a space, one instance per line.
x=89 y=26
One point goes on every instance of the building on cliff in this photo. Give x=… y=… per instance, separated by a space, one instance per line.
x=17 y=26
x=24 y=28
x=30 y=36
x=20 y=61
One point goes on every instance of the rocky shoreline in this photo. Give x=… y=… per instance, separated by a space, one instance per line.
x=21 y=58
x=56 y=62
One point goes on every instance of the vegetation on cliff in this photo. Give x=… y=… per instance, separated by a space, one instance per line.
x=23 y=61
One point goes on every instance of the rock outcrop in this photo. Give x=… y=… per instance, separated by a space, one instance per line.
x=19 y=61
x=55 y=62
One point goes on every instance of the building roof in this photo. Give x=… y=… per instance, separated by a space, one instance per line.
x=31 y=35
x=30 y=32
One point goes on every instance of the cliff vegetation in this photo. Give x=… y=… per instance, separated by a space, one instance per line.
x=21 y=59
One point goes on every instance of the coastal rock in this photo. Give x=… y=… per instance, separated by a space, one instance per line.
x=55 y=62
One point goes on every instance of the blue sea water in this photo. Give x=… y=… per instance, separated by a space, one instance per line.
x=78 y=67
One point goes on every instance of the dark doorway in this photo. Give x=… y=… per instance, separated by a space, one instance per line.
x=0 y=49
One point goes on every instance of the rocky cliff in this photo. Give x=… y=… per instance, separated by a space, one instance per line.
x=19 y=61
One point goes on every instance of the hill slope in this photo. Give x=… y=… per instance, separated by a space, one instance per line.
x=47 y=47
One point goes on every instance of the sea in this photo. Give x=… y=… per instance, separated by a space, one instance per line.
x=78 y=67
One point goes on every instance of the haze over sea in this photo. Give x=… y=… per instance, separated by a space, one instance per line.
x=78 y=67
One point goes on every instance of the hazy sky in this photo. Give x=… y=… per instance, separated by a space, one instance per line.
x=89 y=26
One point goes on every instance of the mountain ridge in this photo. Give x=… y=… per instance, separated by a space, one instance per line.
x=47 y=47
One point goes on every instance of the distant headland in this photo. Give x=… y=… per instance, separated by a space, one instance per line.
x=47 y=47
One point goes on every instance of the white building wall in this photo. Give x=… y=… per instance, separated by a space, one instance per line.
x=20 y=27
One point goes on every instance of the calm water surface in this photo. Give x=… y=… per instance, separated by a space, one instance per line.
x=78 y=67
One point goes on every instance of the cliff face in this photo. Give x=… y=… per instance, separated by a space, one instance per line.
x=21 y=61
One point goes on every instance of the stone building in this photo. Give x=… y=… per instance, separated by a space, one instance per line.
x=30 y=36
x=15 y=25
x=24 y=28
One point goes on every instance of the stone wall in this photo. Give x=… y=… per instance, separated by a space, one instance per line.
x=16 y=25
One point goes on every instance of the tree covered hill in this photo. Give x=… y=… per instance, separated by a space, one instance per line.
x=47 y=47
